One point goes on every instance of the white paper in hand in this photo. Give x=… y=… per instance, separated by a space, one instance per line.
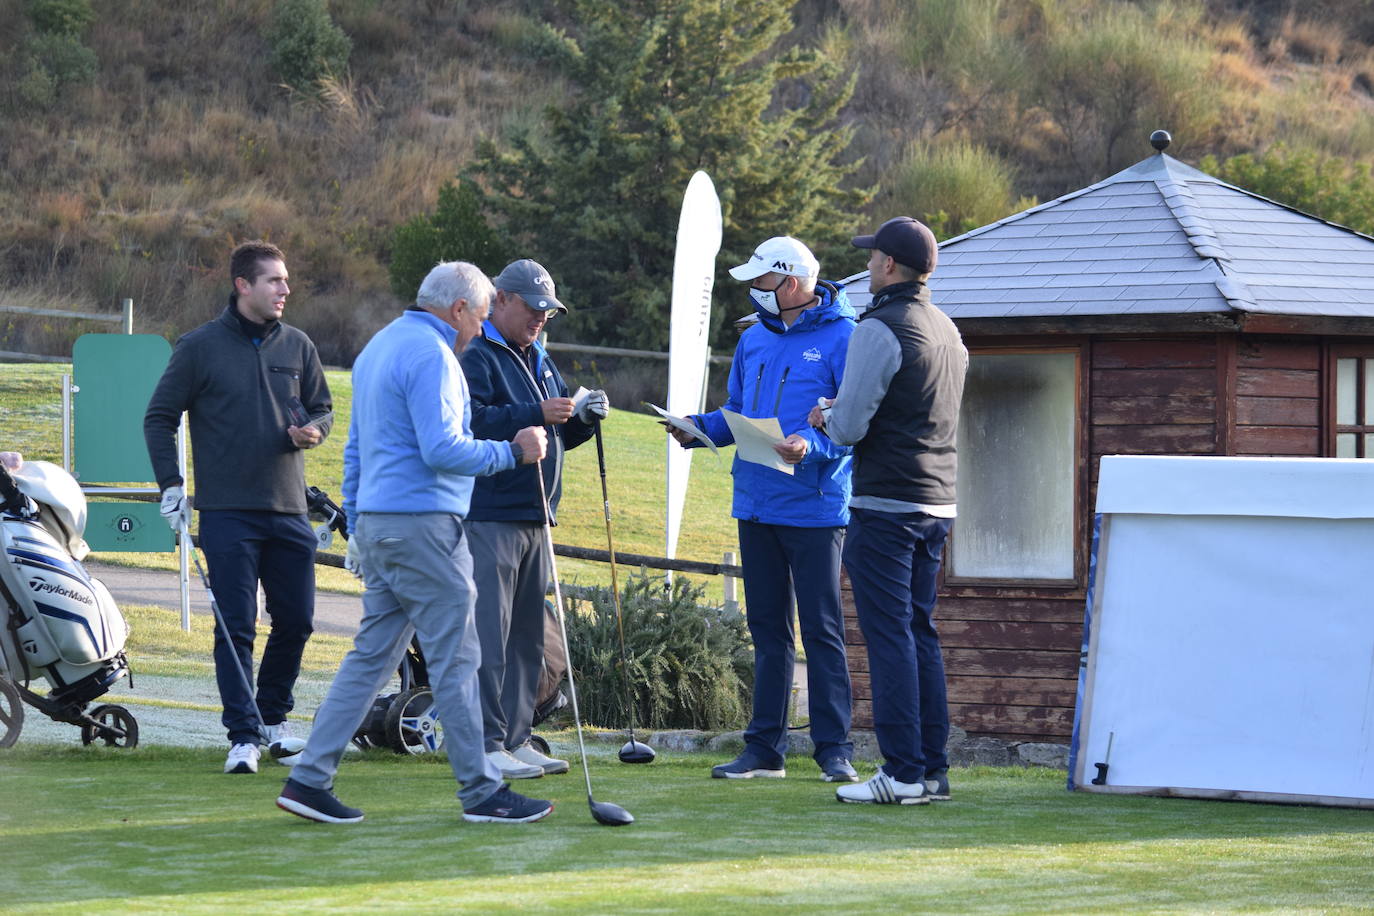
x=755 y=438
x=686 y=426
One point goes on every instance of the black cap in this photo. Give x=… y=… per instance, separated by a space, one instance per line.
x=905 y=240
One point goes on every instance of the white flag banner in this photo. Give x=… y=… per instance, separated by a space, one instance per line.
x=694 y=273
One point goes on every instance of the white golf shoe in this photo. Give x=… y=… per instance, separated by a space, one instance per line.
x=243 y=758
x=511 y=768
x=528 y=753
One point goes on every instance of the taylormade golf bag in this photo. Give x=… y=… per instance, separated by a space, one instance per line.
x=59 y=624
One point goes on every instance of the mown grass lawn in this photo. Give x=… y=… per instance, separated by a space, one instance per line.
x=160 y=830
x=31 y=422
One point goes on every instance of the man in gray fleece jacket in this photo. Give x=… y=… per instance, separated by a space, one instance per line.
x=257 y=397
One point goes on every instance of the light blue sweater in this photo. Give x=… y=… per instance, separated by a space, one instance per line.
x=410 y=446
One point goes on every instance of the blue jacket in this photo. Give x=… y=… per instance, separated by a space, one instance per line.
x=781 y=375
x=505 y=399
x=410 y=445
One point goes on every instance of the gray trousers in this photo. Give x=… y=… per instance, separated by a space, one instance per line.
x=511 y=563
x=418 y=577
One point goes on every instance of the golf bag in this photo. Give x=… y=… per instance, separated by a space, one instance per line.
x=59 y=624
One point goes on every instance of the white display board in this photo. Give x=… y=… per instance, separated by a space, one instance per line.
x=1229 y=633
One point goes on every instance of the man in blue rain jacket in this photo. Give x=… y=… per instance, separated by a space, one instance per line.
x=791 y=526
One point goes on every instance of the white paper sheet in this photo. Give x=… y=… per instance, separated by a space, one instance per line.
x=686 y=426
x=755 y=438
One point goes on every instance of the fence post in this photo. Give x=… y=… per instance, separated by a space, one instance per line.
x=731 y=598
x=128 y=316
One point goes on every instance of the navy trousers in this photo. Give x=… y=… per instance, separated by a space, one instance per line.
x=243 y=548
x=893 y=562
x=781 y=563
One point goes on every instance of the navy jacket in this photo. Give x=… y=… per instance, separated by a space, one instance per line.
x=506 y=398
x=781 y=375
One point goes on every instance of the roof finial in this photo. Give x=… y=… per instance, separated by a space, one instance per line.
x=1160 y=140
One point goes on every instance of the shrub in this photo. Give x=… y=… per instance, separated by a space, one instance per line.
x=306 y=44
x=953 y=187
x=690 y=666
x=61 y=17
x=64 y=58
x=455 y=231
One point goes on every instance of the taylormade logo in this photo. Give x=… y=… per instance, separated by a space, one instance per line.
x=43 y=586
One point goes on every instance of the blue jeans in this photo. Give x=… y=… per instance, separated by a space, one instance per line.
x=782 y=562
x=242 y=548
x=893 y=561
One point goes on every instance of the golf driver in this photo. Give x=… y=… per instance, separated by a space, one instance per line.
x=632 y=751
x=282 y=750
x=602 y=812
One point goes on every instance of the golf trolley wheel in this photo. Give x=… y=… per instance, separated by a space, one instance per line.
x=412 y=724
x=114 y=717
x=540 y=744
x=11 y=713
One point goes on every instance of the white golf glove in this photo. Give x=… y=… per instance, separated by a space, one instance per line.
x=595 y=406
x=174 y=508
x=353 y=557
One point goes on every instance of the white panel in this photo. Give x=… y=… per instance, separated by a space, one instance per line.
x=1181 y=485
x=1231 y=655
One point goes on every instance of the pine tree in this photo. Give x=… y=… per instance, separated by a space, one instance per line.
x=663 y=88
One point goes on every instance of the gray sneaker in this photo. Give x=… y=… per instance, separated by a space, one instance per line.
x=937 y=784
x=838 y=769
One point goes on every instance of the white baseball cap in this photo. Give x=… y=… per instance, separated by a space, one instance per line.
x=780 y=255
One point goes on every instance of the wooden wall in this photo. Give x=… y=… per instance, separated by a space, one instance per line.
x=1011 y=653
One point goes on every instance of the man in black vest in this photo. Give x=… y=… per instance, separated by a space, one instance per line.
x=898 y=405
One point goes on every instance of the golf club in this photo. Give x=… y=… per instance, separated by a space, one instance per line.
x=632 y=751
x=277 y=749
x=602 y=812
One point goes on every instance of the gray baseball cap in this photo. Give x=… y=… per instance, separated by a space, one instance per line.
x=531 y=282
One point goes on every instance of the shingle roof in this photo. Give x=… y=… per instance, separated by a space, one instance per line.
x=1160 y=237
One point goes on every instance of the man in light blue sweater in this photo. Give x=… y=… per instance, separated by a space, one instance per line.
x=408 y=476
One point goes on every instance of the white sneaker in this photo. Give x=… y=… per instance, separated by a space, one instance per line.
x=528 y=753
x=282 y=746
x=512 y=768
x=243 y=758
x=882 y=789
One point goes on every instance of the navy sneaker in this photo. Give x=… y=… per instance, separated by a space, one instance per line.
x=838 y=769
x=507 y=807
x=937 y=785
x=746 y=766
x=316 y=804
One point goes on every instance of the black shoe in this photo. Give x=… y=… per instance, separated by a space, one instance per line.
x=838 y=769
x=507 y=807
x=746 y=766
x=316 y=804
x=937 y=785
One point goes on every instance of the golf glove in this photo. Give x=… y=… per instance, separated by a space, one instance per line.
x=353 y=558
x=174 y=508
x=595 y=406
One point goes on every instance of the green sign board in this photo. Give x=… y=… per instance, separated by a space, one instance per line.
x=124 y=525
x=115 y=375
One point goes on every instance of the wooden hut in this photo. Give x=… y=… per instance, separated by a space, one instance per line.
x=1159 y=311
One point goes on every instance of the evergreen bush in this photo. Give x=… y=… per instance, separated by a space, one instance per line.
x=456 y=231
x=689 y=665
x=1330 y=187
x=306 y=44
x=60 y=17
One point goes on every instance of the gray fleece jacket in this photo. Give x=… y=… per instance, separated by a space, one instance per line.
x=236 y=391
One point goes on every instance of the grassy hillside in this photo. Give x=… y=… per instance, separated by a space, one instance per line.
x=135 y=177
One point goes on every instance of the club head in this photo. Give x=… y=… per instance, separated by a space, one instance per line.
x=608 y=814
x=636 y=752
x=287 y=751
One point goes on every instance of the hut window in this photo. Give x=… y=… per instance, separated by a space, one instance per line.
x=1354 y=408
x=1017 y=435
